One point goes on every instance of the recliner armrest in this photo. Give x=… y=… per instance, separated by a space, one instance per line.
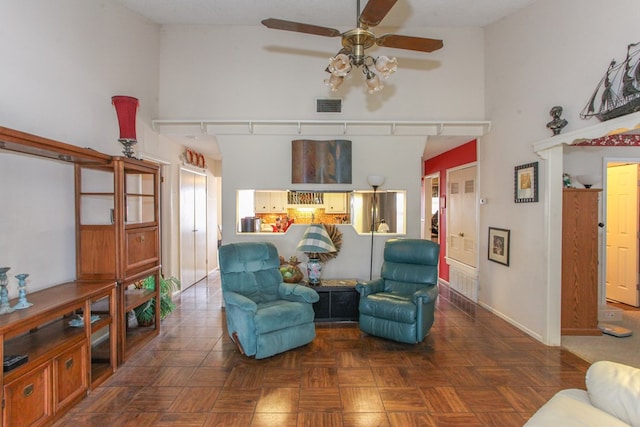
x=426 y=295
x=370 y=287
x=240 y=301
x=297 y=293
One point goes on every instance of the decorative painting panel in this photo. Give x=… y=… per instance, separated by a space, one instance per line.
x=320 y=162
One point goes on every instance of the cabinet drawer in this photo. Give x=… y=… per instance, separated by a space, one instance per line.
x=141 y=249
x=70 y=375
x=28 y=398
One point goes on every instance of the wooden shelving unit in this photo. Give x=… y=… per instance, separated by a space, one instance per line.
x=117 y=244
x=117 y=237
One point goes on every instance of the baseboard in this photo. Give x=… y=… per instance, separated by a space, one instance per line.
x=514 y=323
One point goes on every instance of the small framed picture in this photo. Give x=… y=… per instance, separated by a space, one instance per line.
x=499 y=245
x=526 y=183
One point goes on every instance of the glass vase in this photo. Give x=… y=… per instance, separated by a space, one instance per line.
x=4 y=293
x=22 y=292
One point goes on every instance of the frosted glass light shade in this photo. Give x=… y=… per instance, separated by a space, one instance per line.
x=588 y=180
x=375 y=180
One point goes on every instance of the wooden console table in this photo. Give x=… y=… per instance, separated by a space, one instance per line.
x=338 y=300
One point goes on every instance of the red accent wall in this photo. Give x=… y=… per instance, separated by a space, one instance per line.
x=458 y=156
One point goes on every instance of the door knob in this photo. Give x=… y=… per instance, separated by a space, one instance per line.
x=461 y=234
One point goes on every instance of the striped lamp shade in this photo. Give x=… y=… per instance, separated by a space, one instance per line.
x=316 y=240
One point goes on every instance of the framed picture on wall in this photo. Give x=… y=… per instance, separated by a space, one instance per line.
x=526 y=183
x=499 y=242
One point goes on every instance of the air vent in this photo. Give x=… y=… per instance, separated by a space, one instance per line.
x=329 y=105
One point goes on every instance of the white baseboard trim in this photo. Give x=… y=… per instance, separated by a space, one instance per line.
x=513 y=322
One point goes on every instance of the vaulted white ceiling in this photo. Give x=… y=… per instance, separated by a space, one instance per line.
x=329 y=13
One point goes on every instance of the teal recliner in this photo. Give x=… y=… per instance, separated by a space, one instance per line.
x=265 y=316
x=400 y=305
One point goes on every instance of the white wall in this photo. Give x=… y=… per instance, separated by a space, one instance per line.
x=258 y=73
x=551 y=53
x=261 y=74
x=61 y=63
x=264 y=162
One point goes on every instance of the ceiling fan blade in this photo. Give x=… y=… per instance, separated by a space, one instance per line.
x=375 y=11
x=407 y=42
x=279 y=24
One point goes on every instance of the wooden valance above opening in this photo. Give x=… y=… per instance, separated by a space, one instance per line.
x=619 y=140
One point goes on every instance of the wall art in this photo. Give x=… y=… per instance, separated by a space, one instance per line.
x=499 y=242
x=526 y=183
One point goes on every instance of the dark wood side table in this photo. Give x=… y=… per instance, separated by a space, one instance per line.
x=338 y=300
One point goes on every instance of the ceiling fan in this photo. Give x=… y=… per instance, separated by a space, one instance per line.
x=356 y=40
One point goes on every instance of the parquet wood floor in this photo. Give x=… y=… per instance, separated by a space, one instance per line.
x=474 y=369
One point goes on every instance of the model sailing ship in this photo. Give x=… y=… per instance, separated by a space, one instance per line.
x=619 y=90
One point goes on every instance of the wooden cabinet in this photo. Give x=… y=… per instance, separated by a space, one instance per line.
x=118 y=237
x=56 y=334
x=338 y=301
x=580 y=262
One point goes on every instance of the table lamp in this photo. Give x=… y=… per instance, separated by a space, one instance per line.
x=315 y=240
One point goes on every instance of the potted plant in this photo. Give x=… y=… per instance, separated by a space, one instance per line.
x=145 y=313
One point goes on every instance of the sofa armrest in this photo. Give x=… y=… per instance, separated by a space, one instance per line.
x=615 y=388
x=237 y=300
x=572 y=408
x=370 y=287
x=297 y=293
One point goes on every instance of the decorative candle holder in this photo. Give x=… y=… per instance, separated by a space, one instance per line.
x=22 y=292
x=4 y=293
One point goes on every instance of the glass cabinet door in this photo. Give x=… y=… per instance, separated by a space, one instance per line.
x=139 y=197
x=96 y=196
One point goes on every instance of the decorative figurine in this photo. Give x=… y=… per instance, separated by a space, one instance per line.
x=557 y=123
x=4 y=294
x=566 y=180
x=22 y=292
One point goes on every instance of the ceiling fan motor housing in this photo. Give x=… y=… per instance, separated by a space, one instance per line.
x=358 y=40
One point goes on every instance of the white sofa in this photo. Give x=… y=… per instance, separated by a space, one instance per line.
x=612 y=399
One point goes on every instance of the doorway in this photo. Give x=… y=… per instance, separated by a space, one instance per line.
x=621 y=238
x=431 y=208
x=460 y=236
x=462 y=215
x=193 y=227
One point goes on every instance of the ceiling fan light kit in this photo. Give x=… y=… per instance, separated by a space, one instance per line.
x=341 y=64
x=356 y=40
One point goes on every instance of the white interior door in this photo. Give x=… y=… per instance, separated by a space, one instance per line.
x=193 y=227
x=187 y=225
x=622 y=234
x=462 y=215
x=200 y=226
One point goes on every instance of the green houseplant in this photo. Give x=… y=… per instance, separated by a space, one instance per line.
x=145 y=313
